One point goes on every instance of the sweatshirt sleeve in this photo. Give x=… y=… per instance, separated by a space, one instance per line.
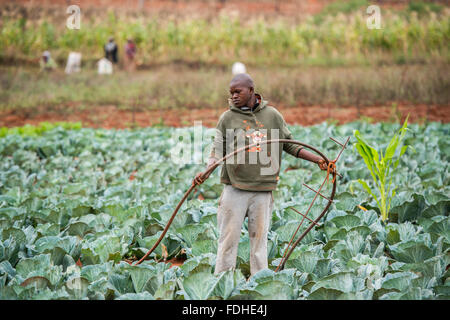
x=218 y=145
x=292 y=149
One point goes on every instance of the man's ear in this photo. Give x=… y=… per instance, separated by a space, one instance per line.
x=251 y=89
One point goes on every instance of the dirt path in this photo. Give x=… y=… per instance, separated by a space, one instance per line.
x=112 y=117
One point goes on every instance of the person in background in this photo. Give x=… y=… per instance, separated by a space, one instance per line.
x=111 y=50
x=46 y=62
x=130 y=52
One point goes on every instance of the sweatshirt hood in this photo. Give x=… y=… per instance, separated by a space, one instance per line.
x=262 y=104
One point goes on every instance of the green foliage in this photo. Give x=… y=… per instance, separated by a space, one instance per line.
x=340 y=7
x=326 y=39
x=382 y=167
x=66 y=198
x=30 y=130
x=423 y=7
x=344 y=6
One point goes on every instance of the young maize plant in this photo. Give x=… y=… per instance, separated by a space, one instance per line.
x=382 y=167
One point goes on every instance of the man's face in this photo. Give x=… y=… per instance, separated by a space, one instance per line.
x=240 y=94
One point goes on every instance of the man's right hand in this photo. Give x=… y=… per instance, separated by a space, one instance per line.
x=200 y=178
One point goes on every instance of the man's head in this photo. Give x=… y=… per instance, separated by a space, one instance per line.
x=242 y=90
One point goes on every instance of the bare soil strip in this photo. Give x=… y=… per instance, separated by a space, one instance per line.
x=112 y=117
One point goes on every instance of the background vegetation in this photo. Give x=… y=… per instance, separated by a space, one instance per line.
x=184 y=61
x=337 y=36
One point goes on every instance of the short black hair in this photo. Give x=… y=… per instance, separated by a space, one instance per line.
x=243 y=78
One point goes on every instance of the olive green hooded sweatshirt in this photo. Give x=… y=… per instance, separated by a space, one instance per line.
x=256 y=169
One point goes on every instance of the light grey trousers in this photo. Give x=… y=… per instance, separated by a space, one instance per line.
x=234 y=206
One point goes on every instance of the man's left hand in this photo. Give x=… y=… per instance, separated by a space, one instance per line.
x=322 y=164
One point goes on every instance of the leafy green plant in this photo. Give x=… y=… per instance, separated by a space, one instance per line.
x=30 y=130
x=67 y=223
x=382 y=167
x=334 y=8
x=422 y=7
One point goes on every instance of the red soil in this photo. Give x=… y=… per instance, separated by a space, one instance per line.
x=176 y=262
x=112 y=117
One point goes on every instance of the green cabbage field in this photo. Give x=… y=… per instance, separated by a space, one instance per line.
x=76 y=203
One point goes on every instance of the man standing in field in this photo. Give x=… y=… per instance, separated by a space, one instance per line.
x=47 y=63
x=250 y=177
x=130 y=52
x=111 y=50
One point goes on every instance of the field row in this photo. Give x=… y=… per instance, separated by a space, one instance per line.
x=74 y=204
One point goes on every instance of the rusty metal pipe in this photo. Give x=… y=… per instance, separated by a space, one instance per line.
x=220 y=161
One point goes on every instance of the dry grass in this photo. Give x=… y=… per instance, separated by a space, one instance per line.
x=180 y=86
